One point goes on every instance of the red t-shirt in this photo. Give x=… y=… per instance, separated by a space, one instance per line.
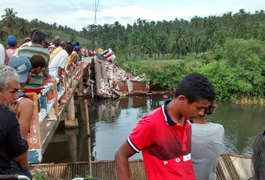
x=165 y=146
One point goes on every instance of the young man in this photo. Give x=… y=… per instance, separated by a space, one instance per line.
x=12 y=145
x=207 y=140
x=57 y=64
x=164 y=135
x=38 y=65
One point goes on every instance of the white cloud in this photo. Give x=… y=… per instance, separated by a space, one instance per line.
x=79 y=13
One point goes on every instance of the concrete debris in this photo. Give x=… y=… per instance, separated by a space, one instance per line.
x=110 y=77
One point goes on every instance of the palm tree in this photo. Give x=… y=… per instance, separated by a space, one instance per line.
x=9 y=19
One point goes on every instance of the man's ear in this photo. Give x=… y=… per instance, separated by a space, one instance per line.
x=182 y=99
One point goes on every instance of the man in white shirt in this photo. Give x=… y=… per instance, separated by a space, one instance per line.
x=56 y=66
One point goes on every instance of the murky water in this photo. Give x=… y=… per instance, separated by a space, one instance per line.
x=111 y=121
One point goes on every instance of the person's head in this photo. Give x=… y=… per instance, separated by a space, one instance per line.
x=51 y=48
x=37 y=64
x=38 y=37
x=56 y=41
x=73 y=44
x=69 y=50
x=27 y=39
x=63 y=44
x=259 y=156
x=11 y=41
x=22 y=66
x=9 y=85
x=77 y=48
x=195 y=94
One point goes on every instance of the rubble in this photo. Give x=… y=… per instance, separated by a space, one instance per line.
x=112 y=81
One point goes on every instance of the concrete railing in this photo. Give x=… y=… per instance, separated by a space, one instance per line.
x=50 y=102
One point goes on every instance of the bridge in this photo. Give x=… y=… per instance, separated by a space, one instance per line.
x=53 y=103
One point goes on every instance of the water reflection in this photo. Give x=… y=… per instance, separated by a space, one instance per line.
x=111 y=121
x=242 y=124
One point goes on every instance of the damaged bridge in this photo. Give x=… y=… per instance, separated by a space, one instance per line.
x=112 y=81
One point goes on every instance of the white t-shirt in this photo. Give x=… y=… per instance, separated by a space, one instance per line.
x=206 y=145
x=2 y=54
x=58 y=61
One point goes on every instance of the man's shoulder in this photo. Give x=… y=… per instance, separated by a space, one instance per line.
x=29 y=51
x=8 y=118
x=217 y=126
x=153 y=115
x=5 y=113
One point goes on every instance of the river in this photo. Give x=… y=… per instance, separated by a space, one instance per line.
x=111 y=121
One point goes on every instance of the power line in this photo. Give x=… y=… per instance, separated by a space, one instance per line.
x=96 y=10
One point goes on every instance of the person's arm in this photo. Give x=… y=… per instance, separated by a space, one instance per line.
x=6 y=58
x=121 y=161
x=25 y=113
x=17 y=148
x=60 y=73
x=22 y=160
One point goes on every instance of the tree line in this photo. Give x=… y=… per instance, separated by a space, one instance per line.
x=229 y=49
x=160 y=39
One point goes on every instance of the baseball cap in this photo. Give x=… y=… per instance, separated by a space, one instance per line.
x=11 y=40
x=27 y=39
x=22 y=65
x=77 y=48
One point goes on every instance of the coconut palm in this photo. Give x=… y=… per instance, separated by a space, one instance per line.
x=9 y=19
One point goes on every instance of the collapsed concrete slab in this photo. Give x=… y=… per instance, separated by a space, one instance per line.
x=112 y=81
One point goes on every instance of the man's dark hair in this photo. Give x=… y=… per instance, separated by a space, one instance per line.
x=38 y=36
x=194 y=87
x=69 y=49
x=259 y=156
x=37 y=60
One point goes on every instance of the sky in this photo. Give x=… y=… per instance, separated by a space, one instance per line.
x=77 y=14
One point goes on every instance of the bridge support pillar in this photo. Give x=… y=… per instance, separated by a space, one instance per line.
x=71 y=121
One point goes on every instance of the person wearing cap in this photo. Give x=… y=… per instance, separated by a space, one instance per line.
x=13 y=146
x=78 y=51
x=25 y=108
x=27 y=39
x=12 y=43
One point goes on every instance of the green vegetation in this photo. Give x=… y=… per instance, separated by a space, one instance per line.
x=236 y=69
x=21 y=28
x=229 y=49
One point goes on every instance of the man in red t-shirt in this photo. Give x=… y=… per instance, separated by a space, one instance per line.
x=164 y=135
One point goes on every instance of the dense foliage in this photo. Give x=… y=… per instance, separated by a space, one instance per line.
x=229 y=49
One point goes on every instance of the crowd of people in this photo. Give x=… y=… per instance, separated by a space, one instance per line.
x=176 y=140
x=30 y=65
